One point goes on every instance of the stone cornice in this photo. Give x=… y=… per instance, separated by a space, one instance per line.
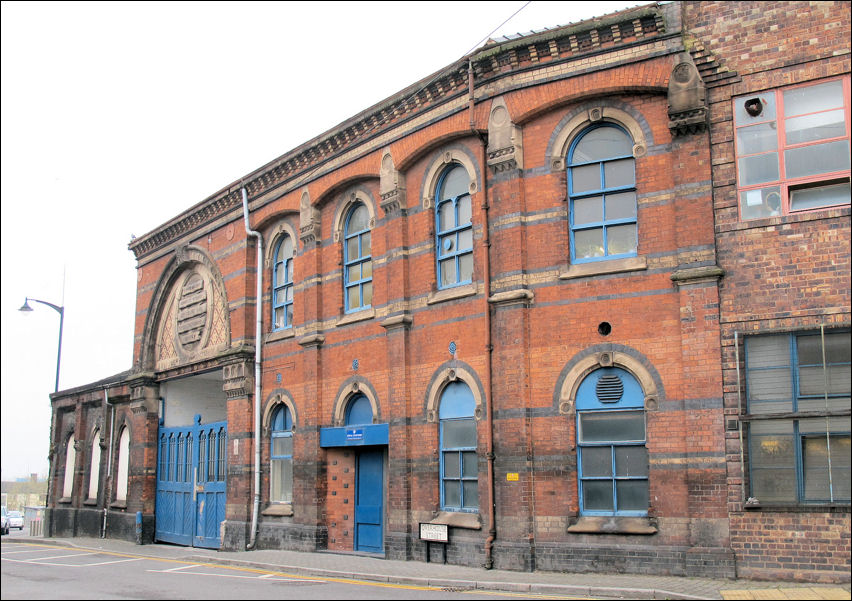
x=494 y=61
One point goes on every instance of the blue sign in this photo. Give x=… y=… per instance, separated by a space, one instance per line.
x=354 y=434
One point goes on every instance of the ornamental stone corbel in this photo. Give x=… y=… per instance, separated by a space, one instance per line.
x=391 y=187
x=505 y=146
x=687 y=99
x=309 y=220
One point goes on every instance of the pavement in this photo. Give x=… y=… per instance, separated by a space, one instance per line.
x=322 y=564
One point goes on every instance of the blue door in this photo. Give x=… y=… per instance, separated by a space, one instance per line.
x=191 y=470
x=369 y=495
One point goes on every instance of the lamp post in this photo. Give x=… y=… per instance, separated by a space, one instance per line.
x=61 y=310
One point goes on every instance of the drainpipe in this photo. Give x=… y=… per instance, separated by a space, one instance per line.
x=257 y=350
x=489 y=347
x=106 y=486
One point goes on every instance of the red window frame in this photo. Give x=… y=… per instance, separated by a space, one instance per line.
x=780 y=204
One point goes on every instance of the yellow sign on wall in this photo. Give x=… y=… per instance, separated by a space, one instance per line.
x=512 y=477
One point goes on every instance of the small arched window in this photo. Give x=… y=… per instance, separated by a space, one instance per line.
x=454 y=231
x=281 y=456
x=123 y=470
x=95 y=465
x=602 y=193
x=282 y=285
x=70 y=462
x=357 y=259
x=459 y=461
x=359 y=411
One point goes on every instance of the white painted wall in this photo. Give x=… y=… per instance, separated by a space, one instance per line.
x=197 y=394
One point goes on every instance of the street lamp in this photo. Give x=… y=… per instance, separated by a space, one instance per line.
x=61 y=310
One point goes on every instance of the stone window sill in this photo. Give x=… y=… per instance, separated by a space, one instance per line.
x=64 y=500
x=279 y=509
x=362 y=315
x=458 y=519
x=613 y=525
x=118 y=505
x=584 y=270
x=90 y=502
x=280 y=335
x=453 y=293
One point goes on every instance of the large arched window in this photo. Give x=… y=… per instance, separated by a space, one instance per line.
x=602 y=193
x=357 y=259
x=281 y=456
x=459 y=461
x=95 y=465
x=282 y=285
x=612 y=456
x=453 y=228
x=70 y=462
x=123 y=470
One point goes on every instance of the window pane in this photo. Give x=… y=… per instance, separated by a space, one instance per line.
x=815 y=459
x=459 y=433
x=287 y=481
x=368 y=293
x=605 y=426
x=817 y=159
x=446 y=217
x=619 y=173
x=279 y=318
x=631 y=461
x=451 y=464
x=470 y=465
x=585 y=178
x=366 y=244
x=621 y=239
x=632 y=495
x=757 y=138
x=358 y=220
x=770 y=385
x=465 y=239
x=597 y=496
x=452 y=493
x=741 y=117
x=602 y=143
x=812 y=380
x=367 y=270
x=282 y=445
x=471 y=495
x=768 y=351
x=811 y=128
x=448 y=272
x=456 y=182
x=596 y=461
x=621 y=206
x=286 y=249
x=466 y=267
x=821 y=196
x=758 y=169
x=276 y=467
x=588 y=243
x=464 y=210
x=809 y=99
x=354 y=298
x=352 y=249
x=588 y=210
x=765 y=202
x=279 y=273
x=774 y=485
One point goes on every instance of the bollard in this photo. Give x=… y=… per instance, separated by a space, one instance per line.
x=138 y=527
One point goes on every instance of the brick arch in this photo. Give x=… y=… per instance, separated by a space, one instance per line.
x=596 y=357
x=352 y=387
x=275 y=399
x=446 y=157
x=350 y=199
x=453 y=371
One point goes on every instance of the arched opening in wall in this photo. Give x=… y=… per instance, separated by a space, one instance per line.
x=123 y=470
x=459 y=460
x=70 y=462
x=95 y=466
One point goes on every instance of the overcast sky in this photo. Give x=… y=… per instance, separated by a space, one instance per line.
x=117 y=116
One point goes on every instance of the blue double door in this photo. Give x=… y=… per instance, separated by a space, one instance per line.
x=191 y=470
x=369 y=500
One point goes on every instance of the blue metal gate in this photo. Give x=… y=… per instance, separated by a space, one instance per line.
x=191 y=470
x=369 y=493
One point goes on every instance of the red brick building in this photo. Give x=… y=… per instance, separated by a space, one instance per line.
x=504 y=306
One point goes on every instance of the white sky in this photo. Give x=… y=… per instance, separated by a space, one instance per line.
x=117 y=116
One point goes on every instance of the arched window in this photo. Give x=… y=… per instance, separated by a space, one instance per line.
x=453 y=228
x=459 y=461
x=95 y=465
x=359 y=411
x=281 y=456
x=123 y=470
x=357 y=259
x=70 y=462
x=602 y=193
x=612 y=456
x=282 y=285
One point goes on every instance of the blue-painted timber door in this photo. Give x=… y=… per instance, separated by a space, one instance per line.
x=369 y=504
x=191 y=471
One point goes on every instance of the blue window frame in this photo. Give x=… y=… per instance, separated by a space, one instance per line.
x=459 y=461
x=357 y=259
x=798 y=387
x=281 y=456
x=612 y=456
x=454 y=230
x=602 y=195
x=282 y=285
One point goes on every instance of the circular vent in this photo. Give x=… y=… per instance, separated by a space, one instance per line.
x=609 y=389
